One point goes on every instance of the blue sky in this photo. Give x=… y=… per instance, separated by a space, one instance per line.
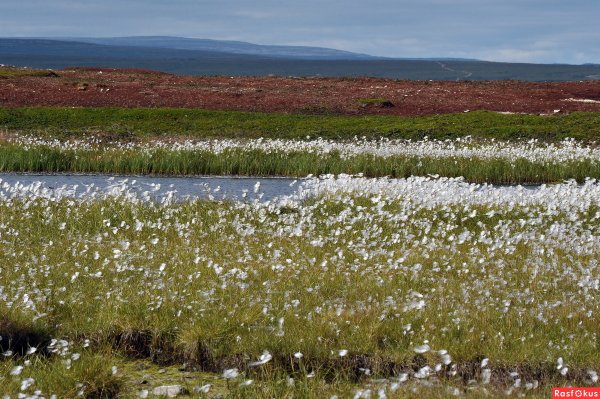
x=500 y=30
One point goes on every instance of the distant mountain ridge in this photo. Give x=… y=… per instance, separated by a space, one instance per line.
x=210 y=57
x=223 y=46
x=68 y=48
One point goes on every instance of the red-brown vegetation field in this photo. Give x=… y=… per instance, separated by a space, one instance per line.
x=102 y=87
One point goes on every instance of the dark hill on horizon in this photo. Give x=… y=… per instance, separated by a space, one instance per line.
x=144 y=53
x=226 y=46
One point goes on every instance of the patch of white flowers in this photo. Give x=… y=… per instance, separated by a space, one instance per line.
x=465 y=147
x=411 y=265
x=28 y=388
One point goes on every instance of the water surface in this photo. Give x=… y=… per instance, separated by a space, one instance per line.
x=205 y=187
x=218 y=188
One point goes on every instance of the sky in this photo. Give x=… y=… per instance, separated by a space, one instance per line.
x=545 y=31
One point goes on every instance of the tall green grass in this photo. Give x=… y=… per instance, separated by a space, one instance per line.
x=124 y=123
x=14 y=158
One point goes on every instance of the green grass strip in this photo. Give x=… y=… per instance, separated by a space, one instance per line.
x=149 y=122
x=14 y=158
x=12 y=72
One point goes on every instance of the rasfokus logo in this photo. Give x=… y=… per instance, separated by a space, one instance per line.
x=575 y=393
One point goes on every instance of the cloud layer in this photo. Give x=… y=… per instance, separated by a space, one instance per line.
x=501 y=30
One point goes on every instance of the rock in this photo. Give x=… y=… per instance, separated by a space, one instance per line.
x=170 y=391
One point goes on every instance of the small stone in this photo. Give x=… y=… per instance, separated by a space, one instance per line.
x=170 y=391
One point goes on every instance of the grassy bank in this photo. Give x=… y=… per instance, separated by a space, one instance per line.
x=13 y=72
x=364 y=287
x=132 y=123
x=15 y=158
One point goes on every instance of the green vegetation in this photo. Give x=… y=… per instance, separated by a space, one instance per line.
x=135 y=376
x=177 y=293
x=213 y=285
x=375 y=102
x=91 y=371
x=137 y=123
x=11 y=72
x=15 y=158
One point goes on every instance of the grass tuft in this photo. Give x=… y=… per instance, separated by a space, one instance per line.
x=379 y=102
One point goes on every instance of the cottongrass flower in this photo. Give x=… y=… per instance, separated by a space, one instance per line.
x=422 y=348
x=264 y=358
x=26 y=383
x=203 y=388
x=229 y=374
x=423 y=372
x=445 y=357
x=486 y=375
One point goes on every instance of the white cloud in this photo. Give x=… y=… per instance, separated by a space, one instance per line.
x=515 y=55
x=503 y=30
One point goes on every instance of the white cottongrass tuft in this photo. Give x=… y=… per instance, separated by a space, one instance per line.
x=423 y=372
x=230 y=373
x=422 y=348
x=264 y=358
x=486 y=375
x=26 y=383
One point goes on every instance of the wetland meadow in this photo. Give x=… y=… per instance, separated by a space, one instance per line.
x=452 y=255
